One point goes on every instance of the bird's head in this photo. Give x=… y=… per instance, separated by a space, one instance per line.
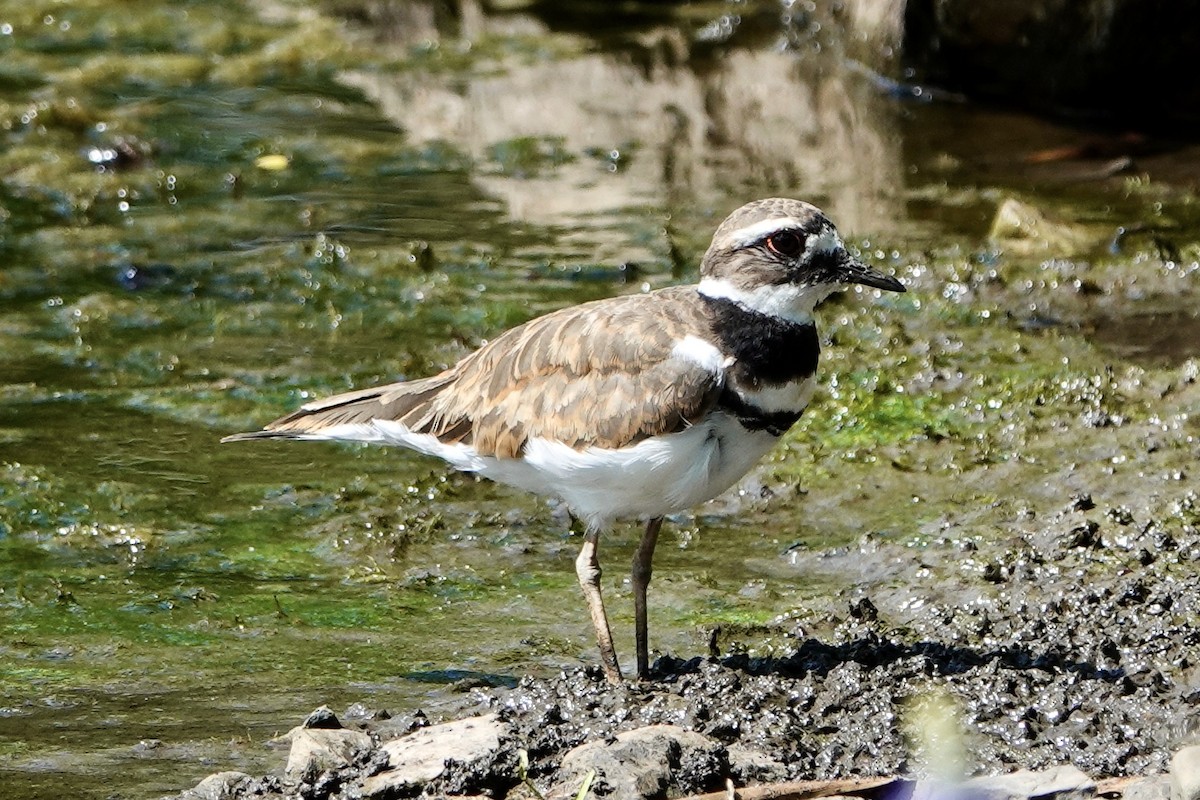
x=782 y=257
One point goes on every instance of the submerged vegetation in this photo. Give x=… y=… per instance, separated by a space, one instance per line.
x=206 y=219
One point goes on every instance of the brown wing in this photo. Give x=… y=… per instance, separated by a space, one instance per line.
x=599 y=374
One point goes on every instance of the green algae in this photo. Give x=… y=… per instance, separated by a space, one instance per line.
x=154 y=301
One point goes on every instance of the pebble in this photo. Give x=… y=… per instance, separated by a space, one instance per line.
x=1073 y=667
x=1153 y=787
x=421 y=756
x=644 y=762
x=317 y=750
x=1056 y=783
x=1185 y=774
x=219 y=786
x=322 y=717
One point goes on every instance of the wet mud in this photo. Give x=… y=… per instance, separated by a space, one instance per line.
x=1073 y=645
x=210 y=216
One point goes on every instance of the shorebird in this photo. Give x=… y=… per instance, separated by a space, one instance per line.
x=638 y=406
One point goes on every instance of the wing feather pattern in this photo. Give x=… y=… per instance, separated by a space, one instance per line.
x=600 y=374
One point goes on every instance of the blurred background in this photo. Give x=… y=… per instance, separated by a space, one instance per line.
x=211 y=211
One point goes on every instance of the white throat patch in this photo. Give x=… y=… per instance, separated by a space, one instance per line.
x=787 y=301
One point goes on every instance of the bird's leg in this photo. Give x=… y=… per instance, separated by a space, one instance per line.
x=587 y=569
x=642 y=569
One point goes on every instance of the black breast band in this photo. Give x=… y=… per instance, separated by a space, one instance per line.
x=768 y=350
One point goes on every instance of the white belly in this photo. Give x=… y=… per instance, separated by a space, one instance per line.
x=654 y=477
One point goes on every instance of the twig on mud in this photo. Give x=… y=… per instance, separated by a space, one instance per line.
x=804 y=790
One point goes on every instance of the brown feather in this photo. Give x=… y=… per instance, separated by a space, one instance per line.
x=598 y=374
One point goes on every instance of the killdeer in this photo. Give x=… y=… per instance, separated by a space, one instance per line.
x=637 y=406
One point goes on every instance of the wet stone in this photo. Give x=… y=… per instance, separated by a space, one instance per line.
x=1185 y=774
x=421 y=757
x=146 y=746
x=647 y=762
x=219 y=786
x=322 y=717
x=359 y=712
x=1153 y=787
x=317 y=750
x=393 y=727
x=1057 y=783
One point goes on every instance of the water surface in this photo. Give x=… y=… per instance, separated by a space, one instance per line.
x=208 y=216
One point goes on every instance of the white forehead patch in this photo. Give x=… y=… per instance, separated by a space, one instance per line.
x=826 y=242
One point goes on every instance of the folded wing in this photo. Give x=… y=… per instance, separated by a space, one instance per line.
x=604 y=374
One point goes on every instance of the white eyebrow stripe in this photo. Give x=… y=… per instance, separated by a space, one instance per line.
x=750 y=234
x=827 y=241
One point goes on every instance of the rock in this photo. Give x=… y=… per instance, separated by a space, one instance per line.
x=324 y=718
x=1056 y=783
x=421 y=756
x=1185 y=773
x=748 y=766
x=219 y=786
x=646 y=762
x=401 y=725
x=361 y=713
x=147 y=747
x=1153 y=787
x=1026 y=229
x=316 y=750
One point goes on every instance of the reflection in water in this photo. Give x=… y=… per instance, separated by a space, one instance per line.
x=696 y=123
x=161 y=287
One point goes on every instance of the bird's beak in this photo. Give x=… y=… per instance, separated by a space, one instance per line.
x=851 y=270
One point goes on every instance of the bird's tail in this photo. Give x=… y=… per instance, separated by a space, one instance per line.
x=351 y=415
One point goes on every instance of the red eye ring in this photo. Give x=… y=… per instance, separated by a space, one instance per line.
x=787 y=244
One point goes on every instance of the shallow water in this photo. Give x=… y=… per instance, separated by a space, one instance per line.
x=207 y=217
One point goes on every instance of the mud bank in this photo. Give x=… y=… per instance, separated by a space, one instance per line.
x=1069 y=647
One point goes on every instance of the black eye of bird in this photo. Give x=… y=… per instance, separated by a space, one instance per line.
x=788 y=244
